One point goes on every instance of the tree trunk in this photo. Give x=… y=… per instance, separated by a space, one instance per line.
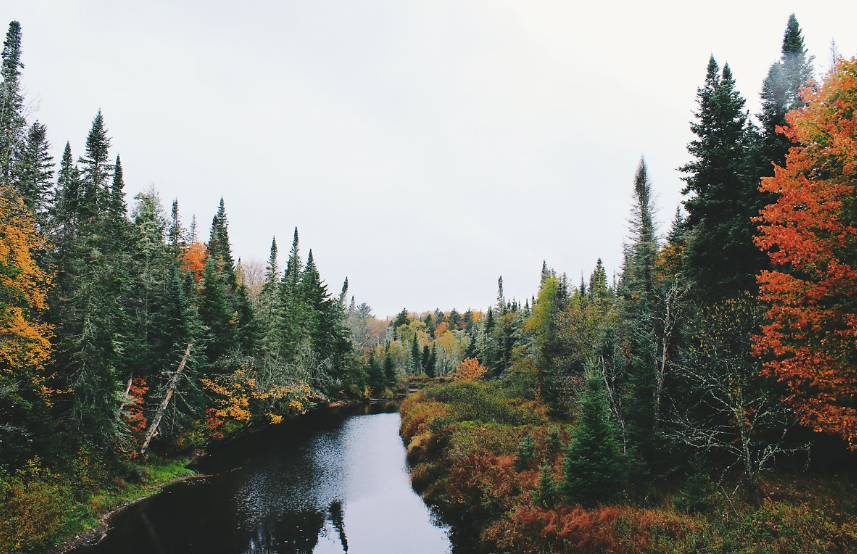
x=171 y=388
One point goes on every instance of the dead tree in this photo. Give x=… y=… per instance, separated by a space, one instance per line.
x=171 y=389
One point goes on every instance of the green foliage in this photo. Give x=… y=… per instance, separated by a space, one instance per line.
x=722 y=190
x=526 y=453
x=594 y=468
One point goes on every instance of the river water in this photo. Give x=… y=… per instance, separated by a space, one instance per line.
x=332 y=481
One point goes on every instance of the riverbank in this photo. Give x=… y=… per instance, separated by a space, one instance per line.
x=53 y=509
x=56 y=509
x=491 y=462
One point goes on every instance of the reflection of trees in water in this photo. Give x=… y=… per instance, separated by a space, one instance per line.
x=298 y=532
x=338 y=520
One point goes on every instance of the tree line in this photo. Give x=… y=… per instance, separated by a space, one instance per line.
x=121 y=325
x=728 y=339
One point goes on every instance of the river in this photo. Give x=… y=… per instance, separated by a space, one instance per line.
x=332 y=481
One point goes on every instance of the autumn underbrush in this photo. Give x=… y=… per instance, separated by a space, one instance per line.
x=43 y=507
x=491 y=463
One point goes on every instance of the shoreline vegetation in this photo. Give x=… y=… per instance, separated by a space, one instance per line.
x=494 y=465
x=89 y=519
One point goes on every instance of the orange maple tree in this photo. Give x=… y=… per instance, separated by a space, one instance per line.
x=810 y=233
x=469 y=370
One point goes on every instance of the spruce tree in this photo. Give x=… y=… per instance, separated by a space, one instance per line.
x=35 y=173
x=12 y=121
x=721 y=189
x=96 y=170
x=217 y=315
x=294 y=329
x=781 y=94
x=593 y=468
x=390 y=370
x=176 y=232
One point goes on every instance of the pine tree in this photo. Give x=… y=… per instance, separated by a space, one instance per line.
x=721 y=189
x=593 y=469
x=12 y=121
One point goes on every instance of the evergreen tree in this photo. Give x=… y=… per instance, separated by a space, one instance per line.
x=216 y=314
x=416 y=366
x=64 y=215
x=96 y=170
x=150 y=270
x=269 y=315
x=390 y=370
x=12 y=121
x=431 y=362
x=401 y=319
x=781 y=94
x=294 y=328
x=220 y=249
x=722 y=189
x=35 y=173
x=593 y=469
x=176 y=232
x=638 y=273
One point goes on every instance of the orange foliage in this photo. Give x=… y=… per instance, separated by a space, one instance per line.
x=617 y=529
x=25 y=346
x=485 y=483
x=441 y=328
x=469 y=370
x=810 y=234
x=135 y=421
x=193 y=259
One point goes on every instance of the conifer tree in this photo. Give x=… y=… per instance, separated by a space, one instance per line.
x=176 y=232
x=780 y=95
x=96 y=169
x=416 y=366
x=722 y=190
x=12 y=121
x=294 y=329
x=35 y=173
x=593 y=469
x=638 y=273
x=216 y=314
x=64 y=213
x=220 y=249
x=390 y=369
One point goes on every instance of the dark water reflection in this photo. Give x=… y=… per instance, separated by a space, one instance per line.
x=334 y=481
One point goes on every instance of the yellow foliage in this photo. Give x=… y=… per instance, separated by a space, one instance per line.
x=25 y=346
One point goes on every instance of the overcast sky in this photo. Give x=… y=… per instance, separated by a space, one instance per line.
x=422 y=148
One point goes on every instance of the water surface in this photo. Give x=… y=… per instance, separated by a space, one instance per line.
x=333 y=481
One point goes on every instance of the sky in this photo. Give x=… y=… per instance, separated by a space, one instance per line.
x=422 y=148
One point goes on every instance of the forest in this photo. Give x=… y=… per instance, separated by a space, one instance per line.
x=703 y=398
